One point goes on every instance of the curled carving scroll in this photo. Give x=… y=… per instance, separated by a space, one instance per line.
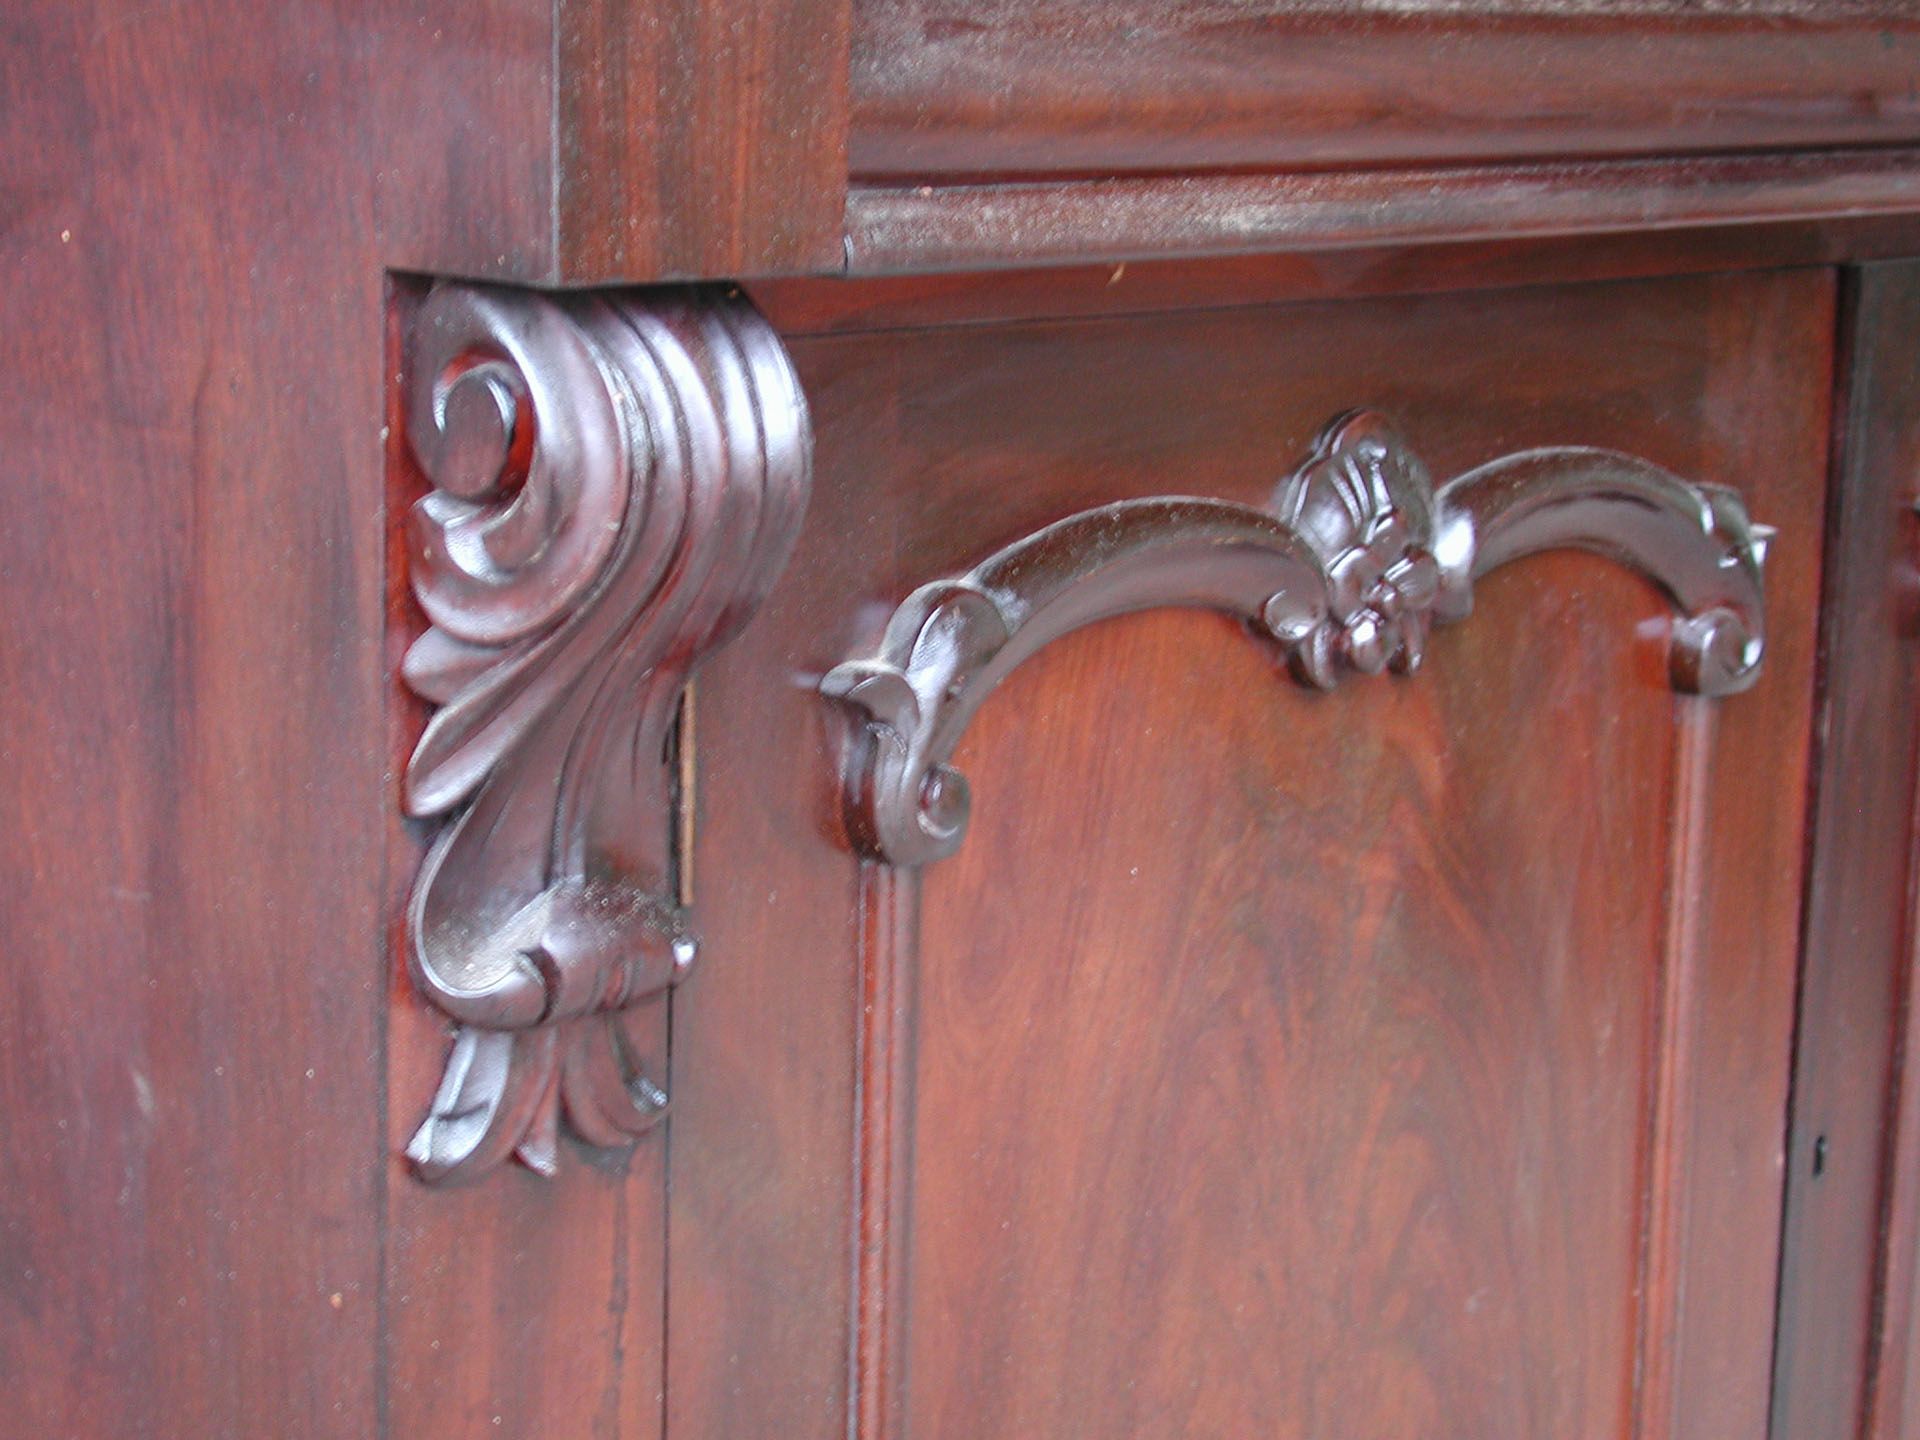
x=1344 y=571
x=616 y=484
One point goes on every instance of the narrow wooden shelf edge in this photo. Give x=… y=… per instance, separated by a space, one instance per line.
x=895 y=229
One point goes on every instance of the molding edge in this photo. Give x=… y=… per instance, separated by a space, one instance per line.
x=895 y=229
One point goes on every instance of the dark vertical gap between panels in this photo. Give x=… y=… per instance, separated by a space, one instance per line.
x=681 y=760
x=1895 y=1094
x=1858 y=873
x=1840 y=409
x=398 y=295
x=1895 y=1098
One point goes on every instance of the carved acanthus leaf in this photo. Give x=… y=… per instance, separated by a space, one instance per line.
x=616 y=484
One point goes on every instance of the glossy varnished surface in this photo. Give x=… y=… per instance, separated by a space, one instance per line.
x=190 y=1024
x=1311 y=1048
x=1306 y=1098
x=1344 y=572
x=529 y=1306
x=210 y=1057
x=576 y=142
x=996 y=87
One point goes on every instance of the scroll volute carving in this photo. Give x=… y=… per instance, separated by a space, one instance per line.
x=616 y=484
x=1344 y=572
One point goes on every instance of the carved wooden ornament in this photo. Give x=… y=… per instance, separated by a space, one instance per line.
x=617 y=483
x=1345 y=571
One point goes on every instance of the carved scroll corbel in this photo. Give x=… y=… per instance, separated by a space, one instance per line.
x=1344 y=572
x=616 y=484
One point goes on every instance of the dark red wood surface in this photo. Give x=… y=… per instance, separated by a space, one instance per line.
x=1073 y=1163
x=696 y=140
x=821 y=305
x=192 y=699
x=1844 y=1171
x=1003 y=87
x=209 y=1232
x=904 y=228
x=210 y=1054
x=575 y=142
x=1880 y=456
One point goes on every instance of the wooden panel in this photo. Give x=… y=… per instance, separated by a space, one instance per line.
x=579 y=142
x=196 y=694
x=763 y=1136
x=1859 y=938
x=1765 y=409
x=192 y=711
x=1002 y=87
x=1225 y=1051
x=1131 y=1120
x=470 y=189
x=197 y=703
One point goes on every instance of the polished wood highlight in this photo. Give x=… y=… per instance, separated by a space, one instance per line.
x=1059 y=1113
x=1344 y=570
x=1429 y=1079
x=616 y=487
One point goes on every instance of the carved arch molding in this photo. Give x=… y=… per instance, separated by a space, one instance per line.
x=1344 y=571
x=616 y=482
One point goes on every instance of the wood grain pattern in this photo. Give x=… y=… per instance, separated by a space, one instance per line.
x=1266 y=1158
x=577 y=142
x=1003 y=87
x=1738 y=929
x=210 y=1055
x=699 y=140
x=1859 y=928
x=1034 y=1123
x=192 y=701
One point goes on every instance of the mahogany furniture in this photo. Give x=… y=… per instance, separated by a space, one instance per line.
x=932 y=720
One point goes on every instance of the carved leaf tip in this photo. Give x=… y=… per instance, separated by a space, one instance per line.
x=877 y=689
x=483 y=1103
